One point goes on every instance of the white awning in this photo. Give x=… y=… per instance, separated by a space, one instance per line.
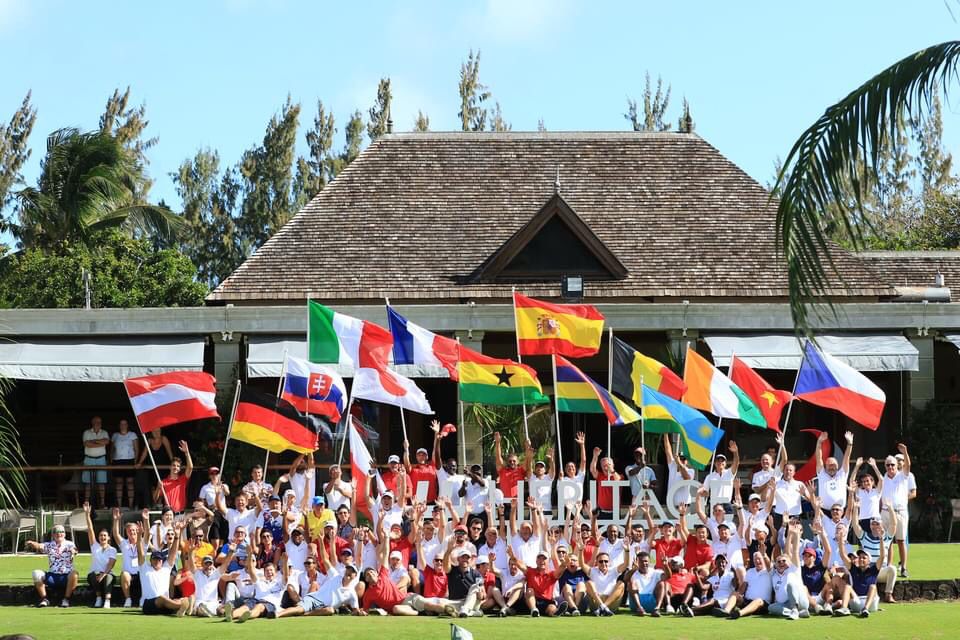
x=862 y=352
x=107 y=359
x=265 y=359
x=954 y=338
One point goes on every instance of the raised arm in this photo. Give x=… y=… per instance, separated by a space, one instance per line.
x=668 y=449
x=115 y=529
x=435 y=454
x=406 y=456
x=497 y=451
x=651 y=532
x=824 y=541
x=177 y=535
x=818 y=454
x=185 y=448
x=218 y=501
x=735 y=465
x=324 y=557
x=528 y=457
x=855 y=514
x=845 y=465
x=902 y=448
x=513 y=517
x=511 y=554
x=698 y=504
x=581 y=441
x=876 y=471
x=594 y=472
x=782 y=452
x=551 y=463
x=90 y=535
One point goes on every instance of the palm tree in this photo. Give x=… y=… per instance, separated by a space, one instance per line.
x=88 y=183
x=12 y=483
x=818 y=185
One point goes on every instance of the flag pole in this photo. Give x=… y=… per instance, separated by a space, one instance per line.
x=714 y=454
x=226 y=441
x=523 y=397
x=283 y=375
x=166 y=500
x=610 y=388
x=461 y=433
x=786 y=421
x=643 y=424
x=346 y=427
x=556 y=411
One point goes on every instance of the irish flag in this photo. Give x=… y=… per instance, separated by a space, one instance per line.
x=710 y=390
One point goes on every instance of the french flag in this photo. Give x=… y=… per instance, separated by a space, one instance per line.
x=412 y=344
x=825 y=381
x=314 y=389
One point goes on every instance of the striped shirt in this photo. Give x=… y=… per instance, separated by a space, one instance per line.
x=871 y=544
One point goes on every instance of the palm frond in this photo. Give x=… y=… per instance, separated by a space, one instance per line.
x=819 y=176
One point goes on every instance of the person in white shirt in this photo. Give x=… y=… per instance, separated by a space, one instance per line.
x=124 y=449
x=787 y=494
x=641 y=476
x=869 y=493
x=611 y=543
x=301 y=476
x=719 y=482
x=723 y=581
x=493 y=543
x=756 y=589
x=258 y=487
x=541 y=481
x=219 y=529
x=206 y=580
x=679 y=471
x=896 y=493
x=768 y=469
x=95 y=441
x=790 y=598
x=338 y=492
x=103 y=557
x=604 y=590
x=831 y=475
x=646 y=587
x=155 y=578
x=570 y=484
x=241 y=514
x=130 y=568
x=267 y=593
x=325 y=597
x=526 y=543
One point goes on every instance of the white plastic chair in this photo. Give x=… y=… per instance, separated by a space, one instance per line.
x=77 y=521
x=955 y=503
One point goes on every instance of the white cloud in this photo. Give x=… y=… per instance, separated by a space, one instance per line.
x=12 y=12
x=521 y=20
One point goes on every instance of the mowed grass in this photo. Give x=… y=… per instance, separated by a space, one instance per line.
x=922 y=620
x=926 y=562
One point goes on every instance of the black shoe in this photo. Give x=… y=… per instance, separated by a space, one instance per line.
x=562 y=608
x=535 y=614
x=735 y=614
x=686 y=610
x=655 y=613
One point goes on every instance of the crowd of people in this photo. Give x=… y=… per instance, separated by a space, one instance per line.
x=469 y=546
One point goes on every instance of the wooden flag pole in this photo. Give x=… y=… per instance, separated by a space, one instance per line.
x=226 y=441
x=556 y=401
x=523 y=398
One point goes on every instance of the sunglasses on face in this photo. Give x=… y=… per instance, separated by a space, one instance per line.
x=603 y=562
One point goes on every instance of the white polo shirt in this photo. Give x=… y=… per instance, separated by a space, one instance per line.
x=832 y=489
x=604 y=582
x=645 y=583
x=896 y=490
x=759 y=585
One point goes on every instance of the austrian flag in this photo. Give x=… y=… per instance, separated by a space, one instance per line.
x=169 y=398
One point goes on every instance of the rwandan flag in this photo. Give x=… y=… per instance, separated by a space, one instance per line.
x=662 y=414
x=577 y=393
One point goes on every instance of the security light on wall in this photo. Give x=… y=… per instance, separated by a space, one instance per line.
x=571 y=287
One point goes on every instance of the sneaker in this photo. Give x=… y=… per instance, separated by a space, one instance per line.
x=792 y=614
x=244 y=617
x=734 y=614
x=562 y=608
x=686 y=610
x=655 y=613
x=98 y=603
x=841 y=612
x=462 y=613
x=864 y=614
x=598 y=612
x=718 y=612
x=695 y=602
x=669 y=609
x=43 y=603
x=64 y=603
x=184 y=605
x=106 y=603
x=534 y=614
x=904 y=573
x=575 y=613
x=606 y=612
x=450 y=611
x=503 y=613
x=127 y=603
x=202 y=611
x=228 y=611
x=825 y=610
x=510 y=612
x=804 y=614
x=377 y=611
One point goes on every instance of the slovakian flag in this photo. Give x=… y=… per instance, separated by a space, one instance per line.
x=826 y=382
x=572 y=330
x=314 y=389
x=412 y=344
x=389 y=387
x=770 y=401
x=169 y=398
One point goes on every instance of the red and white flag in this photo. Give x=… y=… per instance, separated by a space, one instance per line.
x=169 y=398
x=361 y=463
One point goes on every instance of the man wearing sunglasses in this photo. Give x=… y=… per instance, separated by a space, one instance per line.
x=896 y=493
x=60 y=574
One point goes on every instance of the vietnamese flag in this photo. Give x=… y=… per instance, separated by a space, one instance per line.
x=770 y=401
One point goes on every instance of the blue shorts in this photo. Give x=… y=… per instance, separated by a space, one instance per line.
x=99 y=477
x=56 y=580
x=311 y=601
x=647 y=601
x=270 y=611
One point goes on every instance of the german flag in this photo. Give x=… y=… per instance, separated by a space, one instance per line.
x=271 y=423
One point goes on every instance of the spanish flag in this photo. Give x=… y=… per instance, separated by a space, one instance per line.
x=572 y=330
x=662 y=414
x=578 y=393
x=271 y=423
x=487 y=380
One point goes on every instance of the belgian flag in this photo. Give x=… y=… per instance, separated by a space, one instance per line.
x=272 y=423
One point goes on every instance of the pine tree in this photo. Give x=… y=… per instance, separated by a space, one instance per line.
x=380 y=111
x=541 y=127
x=655 y=106
x=685 y=123
x=422 y=123
x=127 y=123
x=935 y=162
x=318 y=170
x=497 y=123
x=14 y=151
x=473 y=115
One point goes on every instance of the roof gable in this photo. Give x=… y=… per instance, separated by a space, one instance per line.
x=555 y=242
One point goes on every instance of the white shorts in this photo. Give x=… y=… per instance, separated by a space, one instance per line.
x=903 y=523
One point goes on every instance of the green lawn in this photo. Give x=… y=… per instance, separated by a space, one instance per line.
x=926 y=620
x=927 y=562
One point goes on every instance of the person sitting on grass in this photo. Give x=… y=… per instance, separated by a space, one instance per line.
x=267 y=593
x=330 y=595
x=103 y=557
x=865 y=576
x=790 y=599
x=837 y=594
x=814 y=571
x=723 y=582
x=155 y=578
x=130 y=569
x=573 y=583
x=464 y=583
x=206 y=581
x=490 y=595
x=875 y=542
x=678 y=590
x=604 y=589
x=646 y=587
x=756 y=590
x=541 y=580
x=60 y=573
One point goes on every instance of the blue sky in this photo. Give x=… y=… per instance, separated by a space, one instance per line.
x=213 y=72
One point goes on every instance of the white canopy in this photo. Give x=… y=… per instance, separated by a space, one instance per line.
x=95 y=359
x=265 y=359
x=862 y=352
x=954 y=338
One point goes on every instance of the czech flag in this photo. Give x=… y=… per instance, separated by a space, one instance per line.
x=412 y=344
x=578 y=393
x=825 y=381
x=314 y=389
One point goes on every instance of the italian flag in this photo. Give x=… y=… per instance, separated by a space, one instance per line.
x=337 y=338
x=710 y=390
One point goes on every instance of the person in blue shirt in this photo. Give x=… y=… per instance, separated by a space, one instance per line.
x=573 y=584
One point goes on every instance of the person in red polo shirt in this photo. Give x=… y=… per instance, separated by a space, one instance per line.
x=541 y=580
x=511 y=474
x=174 y=486
x=604 y=493
x=679 y=590
x=424 y=470
x=699 y=553
x=392 y=474
x=668 y=544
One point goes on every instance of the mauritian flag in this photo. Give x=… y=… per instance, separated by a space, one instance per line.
x=770 y=401
x=630 y=368
x=578 y=393
x=662 y=414
x=337 y=338
x=825 y=381
x=710 y=390
x=412 y=344
x=314 y=389
x=487 y=380
x=572 y=330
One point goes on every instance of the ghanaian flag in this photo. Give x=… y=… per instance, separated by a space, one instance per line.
x=271 y=423
x=572 y=330
x=487 y=380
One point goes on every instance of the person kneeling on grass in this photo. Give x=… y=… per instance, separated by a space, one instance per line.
x=103 y=557
x=155 y=578
x=130 y=568
x=267 y=593
x=60 y=574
